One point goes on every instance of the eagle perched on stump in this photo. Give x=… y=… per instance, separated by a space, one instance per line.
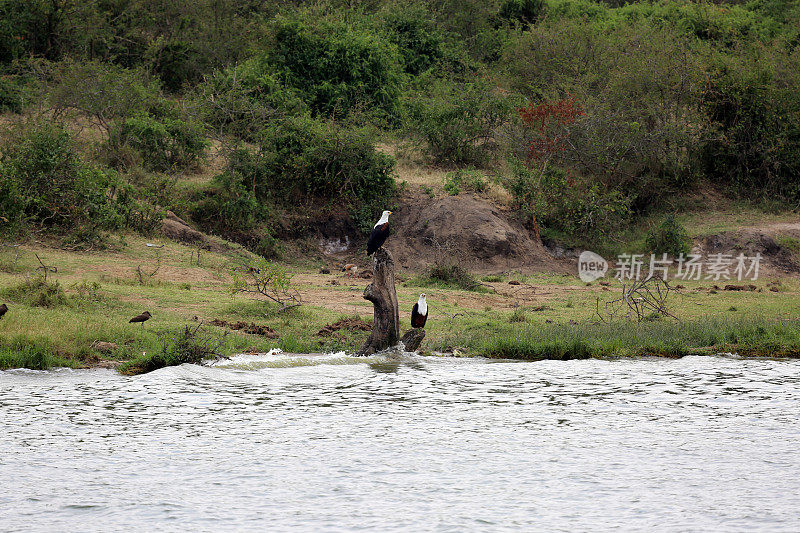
x=379 y=233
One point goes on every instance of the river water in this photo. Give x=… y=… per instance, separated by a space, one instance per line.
x=334 y=443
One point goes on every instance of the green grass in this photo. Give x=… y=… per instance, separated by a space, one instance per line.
x=754 y=337
x=25 y=352
x=446 y=274
x=789 y=243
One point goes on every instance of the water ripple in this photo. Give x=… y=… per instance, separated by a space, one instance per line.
x=335 y=443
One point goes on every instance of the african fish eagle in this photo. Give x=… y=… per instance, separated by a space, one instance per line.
x=419 y=313
x=379 y=233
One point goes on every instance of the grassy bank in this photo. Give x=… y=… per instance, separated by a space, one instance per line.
x=750 y=337
x=91 y=297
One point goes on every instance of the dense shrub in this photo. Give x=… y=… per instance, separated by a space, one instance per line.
x=173 y=39
x=166 y=143
x=641 y=127
x=459 y=121
x=12 y=96
x=302 y=161
x=36 y=292
x=420 y=42
x=521 y=11
x=137 y=210
x=45 y=184
x=669 y=238
x=176 y=347
x=722 y=24
x=467 y=18
x=230 y=205
x=141 y=126
x=269 y=247
x=103 y=91
x=178 y=64
x=242 y=100
x=567 y=206
x=754 y=103
x=336 y=67
x=23 y=29
x=448 y=272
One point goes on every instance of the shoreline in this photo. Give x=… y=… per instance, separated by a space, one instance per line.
x=518 y=316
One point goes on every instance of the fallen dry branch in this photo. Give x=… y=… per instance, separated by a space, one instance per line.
x=640 y=300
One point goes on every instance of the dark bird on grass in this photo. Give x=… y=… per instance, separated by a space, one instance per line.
x=141 y=318
x=3 y=310
x=419 y=313
x=379 y=233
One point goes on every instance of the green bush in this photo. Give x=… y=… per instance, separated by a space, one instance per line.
x=669 y=238
x=623 y=80
x=244 y=99
x=178 y=63
x=21 y=25
x=45 y=184
x=269 y=247
x=116 y=93
x=754 y=102
x=12 y=97
x=448 y=272
x=466 y=179
x=524 y=12
x=337 y=68
x=413 y=29
x=36 y=292
x=176 y=347
x=724 y=24
x=459 y=120
x=301 y=160
x=166 y=144
x=137 y=214
x=230 y=207
x=566 y=206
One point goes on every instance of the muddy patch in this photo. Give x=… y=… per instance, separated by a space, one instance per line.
x=352 y=324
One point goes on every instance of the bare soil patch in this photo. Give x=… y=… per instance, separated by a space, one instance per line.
x=353 y=324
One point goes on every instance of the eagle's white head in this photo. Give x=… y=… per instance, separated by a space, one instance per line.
x=384 y=218
x=422 y=304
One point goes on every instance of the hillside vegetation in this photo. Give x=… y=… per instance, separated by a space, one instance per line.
x=589 y=115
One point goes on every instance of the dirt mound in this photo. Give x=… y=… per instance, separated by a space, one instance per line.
x=355 y=324
x=469 y=228
x=244 y=327
x=751 y=241
x=178 y=230
x=175 y=228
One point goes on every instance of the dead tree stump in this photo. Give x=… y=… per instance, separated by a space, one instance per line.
x=382 y=294
x=412 y=339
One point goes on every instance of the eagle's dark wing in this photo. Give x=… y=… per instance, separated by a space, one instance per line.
x=417 y=320
x=377 y=238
